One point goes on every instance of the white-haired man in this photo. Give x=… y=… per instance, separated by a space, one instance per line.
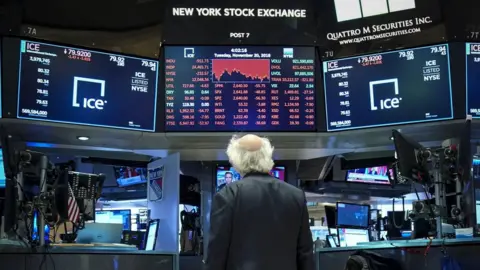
x=258 y=223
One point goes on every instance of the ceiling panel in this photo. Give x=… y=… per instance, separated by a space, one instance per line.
x=211 y=146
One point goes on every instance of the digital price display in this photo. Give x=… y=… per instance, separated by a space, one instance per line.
x=398 y=87
x=473 y=82
x=251 y=88
x=78 y=86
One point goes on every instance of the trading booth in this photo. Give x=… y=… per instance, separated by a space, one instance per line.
x=113 y=140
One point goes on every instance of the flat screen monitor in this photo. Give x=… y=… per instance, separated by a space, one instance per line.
x=473 y=82
x=330 y=214
x=331 y=241
x=351 y=237
x=79 y=86
x=352 y=215
x=372 y=175
x=114 y=217
x=239 y=88
x=477 y=208
x=2 y=171
x=152 y=233
x=388 y=88
x=128 y=176
x=374 y=214
x=226 y=175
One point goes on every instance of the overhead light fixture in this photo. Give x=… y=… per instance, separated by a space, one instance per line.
x=83 y=138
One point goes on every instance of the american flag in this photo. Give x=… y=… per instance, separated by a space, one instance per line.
x=73 y=209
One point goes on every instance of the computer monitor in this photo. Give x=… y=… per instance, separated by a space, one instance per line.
x=410 y=157
x=330 y=214
x=352 y=215
x=114 y=217
x=129 y=176
x=374 y=214
x=152 y=233
x=226 y=175
x=477 y=210
x=372 y=175
x=351 y=237
x=331 y=241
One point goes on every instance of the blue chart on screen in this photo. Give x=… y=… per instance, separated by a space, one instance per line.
x=78 y=86
x=473 y=80
x=248 y=88
x=352 y=215
x=398 y=87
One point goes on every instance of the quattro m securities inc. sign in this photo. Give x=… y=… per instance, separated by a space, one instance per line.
x=357 y=21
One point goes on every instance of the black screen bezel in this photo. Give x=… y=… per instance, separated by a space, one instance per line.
x=363 y=183
x=458 y=97
x=111 y=210
x=215 y=169
x=11 y=51
x=346 y=226
x=320 y=124
x=156 y=234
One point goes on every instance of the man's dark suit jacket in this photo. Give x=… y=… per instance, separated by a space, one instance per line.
x=259 y=223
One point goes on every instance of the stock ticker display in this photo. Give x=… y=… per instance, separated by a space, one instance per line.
x=473 y=80
x=249 y=88
x=398 y=87
x=78 y=86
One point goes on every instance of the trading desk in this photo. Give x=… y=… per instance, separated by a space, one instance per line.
x=15 y=257
x=410 y=253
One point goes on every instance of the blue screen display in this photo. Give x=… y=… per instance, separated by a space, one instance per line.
x=2 y=171
x=388 y=88
x=246 y=88
x=115 y=217
x=78 y=86
x=352 y=215
x=473 y=81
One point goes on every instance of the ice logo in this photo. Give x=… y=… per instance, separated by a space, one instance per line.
x=388 y=103
x=189 y=52
x=89 y=103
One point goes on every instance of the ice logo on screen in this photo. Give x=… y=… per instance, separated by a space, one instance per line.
x=388 y=103
x=189 y=52
x=287 y=52
x=89 y=103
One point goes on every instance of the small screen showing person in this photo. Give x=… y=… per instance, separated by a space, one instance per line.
x=227 y=175
x=372 y=175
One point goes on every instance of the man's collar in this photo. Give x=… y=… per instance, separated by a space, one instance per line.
x=252 y=174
